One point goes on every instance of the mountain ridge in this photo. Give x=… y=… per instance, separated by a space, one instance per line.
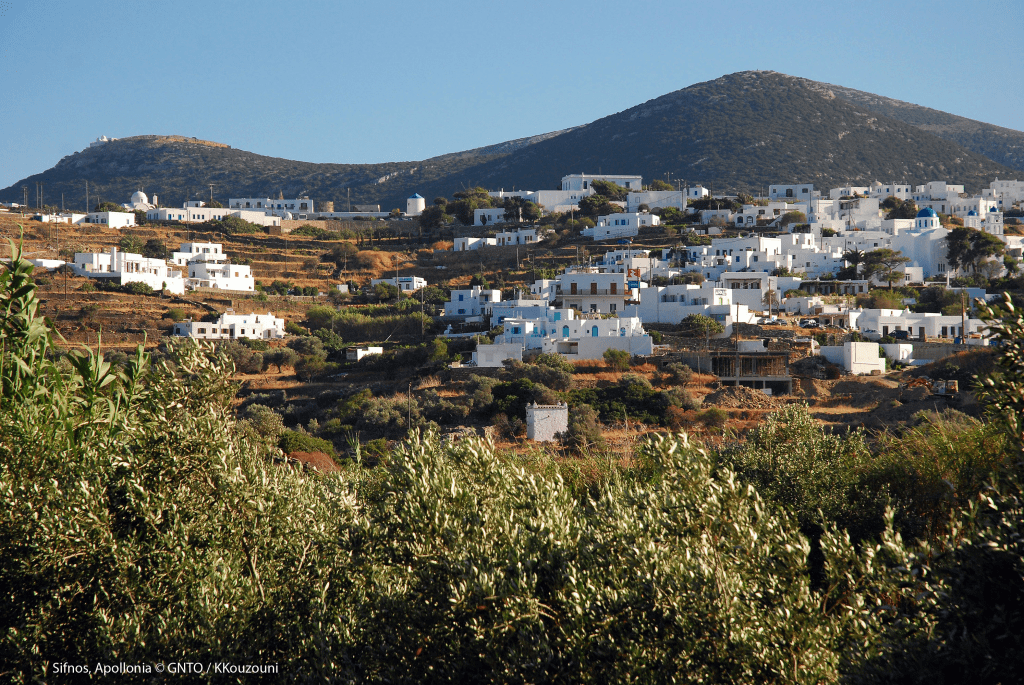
x=739 y=132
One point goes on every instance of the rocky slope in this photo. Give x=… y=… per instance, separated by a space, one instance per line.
x=740 y=132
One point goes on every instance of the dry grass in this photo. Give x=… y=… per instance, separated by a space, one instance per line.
x=375 y=261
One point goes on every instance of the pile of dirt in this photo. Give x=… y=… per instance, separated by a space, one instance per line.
x=741 y=397
x=864 y=391
x=814 y=366
x=318 y=461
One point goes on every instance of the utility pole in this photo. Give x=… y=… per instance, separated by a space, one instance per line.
x=963 y=316
x=211 y=192
x=24 y=204
x=87 y=197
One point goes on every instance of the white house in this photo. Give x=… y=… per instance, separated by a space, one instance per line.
x=801 y=191
x=858 y=358
x=406 y=284
x=493 y=356
x=208 y=267
x=192 y=251
x=231 y=326
x=673 y=303
x=583 y=182
x=576 y=338
x=621 y=225
x=127 y=267
x=473 y=302
x=354 y=354
x=209 y=271
x=298 y=208
x=1007 y=193
x=938 y=195
x=488 y=216
x=467 y=244
x=522 y=236
x=64 y=218
x=112 y=219
x=588 y=291
x=919 y=326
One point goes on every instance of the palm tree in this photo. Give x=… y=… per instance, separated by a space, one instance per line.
x=855 y=258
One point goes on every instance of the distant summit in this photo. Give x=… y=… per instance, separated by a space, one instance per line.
x=740 y=132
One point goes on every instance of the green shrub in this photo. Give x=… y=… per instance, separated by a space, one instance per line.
x=616 y=359
x=137 y=288
x=713 y=417
x=176 y=314
x=293 y=441
x=292 y=328
x=140 y=523
x=584 y=432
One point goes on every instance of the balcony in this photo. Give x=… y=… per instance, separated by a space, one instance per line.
x=618 y=292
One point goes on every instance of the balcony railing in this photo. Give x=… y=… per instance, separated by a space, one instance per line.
x=584 y=293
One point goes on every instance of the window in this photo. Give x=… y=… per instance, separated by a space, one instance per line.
x=565 y=331
x=460 y=297
x=611 y=307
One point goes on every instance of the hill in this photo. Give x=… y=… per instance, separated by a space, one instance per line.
x=175 y=166
x=740 y=132
x=1003 y=145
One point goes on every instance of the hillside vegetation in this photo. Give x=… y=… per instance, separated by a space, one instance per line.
x=141 y=523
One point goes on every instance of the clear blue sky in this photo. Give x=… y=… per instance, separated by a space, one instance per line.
x=392 y=80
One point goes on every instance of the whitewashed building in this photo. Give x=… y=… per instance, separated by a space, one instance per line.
x=207 y=266
x=197 y=212
x=522 y=236
x=112 y=219
x=621 y=225
x=406 y=284
x=298 y=208
x=470 y=243
x=473 y=302
x=545 y=422
x=918 y=325
x=800 y=191
x=128 y=267
x=858 y=358
x=584 y=182
x=488 y=216
x=231 y=326
x=219 y=273
x=673 y=303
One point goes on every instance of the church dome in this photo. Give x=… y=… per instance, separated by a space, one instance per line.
x=972 y=213
x=991 y=209
x=139 y=198
x=927 y=213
